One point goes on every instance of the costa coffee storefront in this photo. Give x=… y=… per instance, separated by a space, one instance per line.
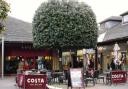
x=24 y=52
x=18 y=47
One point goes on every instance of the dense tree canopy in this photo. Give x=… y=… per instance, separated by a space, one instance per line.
x=4 y=9
x=64 y=24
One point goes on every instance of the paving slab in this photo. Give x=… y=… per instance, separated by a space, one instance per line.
x=9 y=83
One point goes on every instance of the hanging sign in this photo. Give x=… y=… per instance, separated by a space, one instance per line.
x=90 y=51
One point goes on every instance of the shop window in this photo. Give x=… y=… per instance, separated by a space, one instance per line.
x=48 y=62
x=11 y=65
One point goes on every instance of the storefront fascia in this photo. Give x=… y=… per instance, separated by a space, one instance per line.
x=14 y=51
x=108 y=54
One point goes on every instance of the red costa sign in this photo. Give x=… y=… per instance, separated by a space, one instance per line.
x=35 y=81
x=119 y=76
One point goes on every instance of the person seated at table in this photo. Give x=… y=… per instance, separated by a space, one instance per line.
x=21 y=64
x=90 y=71
x=91 y=64
x=69 y=78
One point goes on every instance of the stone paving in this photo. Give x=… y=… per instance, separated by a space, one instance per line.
x=98 y=86
x=9 y=83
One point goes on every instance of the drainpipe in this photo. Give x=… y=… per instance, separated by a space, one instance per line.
x=2 y=76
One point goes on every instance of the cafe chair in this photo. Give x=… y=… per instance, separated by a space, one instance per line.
x=108 y=78
x=88 y=77
x=54 y=76
x=49 y=77
x=57 y=76
x=62 y=78
x=99 y=76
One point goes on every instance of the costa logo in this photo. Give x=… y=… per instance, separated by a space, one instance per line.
x=35 y=80
x=117 y=76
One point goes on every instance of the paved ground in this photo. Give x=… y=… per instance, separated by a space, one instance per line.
x=9 y=83
x=99 y=86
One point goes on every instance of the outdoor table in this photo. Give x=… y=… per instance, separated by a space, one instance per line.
x=35 y=81
x=56 y=75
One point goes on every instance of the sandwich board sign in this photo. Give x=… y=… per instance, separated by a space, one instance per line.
x=76 y=78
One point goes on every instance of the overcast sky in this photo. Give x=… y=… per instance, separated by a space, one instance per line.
x=25 y=9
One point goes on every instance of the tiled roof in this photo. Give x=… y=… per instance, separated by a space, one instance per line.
x=119 y=31
x=18 y=30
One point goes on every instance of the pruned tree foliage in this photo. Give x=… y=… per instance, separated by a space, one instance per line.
x=64 y=24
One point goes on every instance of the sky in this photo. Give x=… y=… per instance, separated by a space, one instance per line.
x=25 y=9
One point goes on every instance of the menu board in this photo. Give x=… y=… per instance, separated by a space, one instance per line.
x=76 y=77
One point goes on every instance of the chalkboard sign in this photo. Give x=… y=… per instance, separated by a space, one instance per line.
x=76 y=78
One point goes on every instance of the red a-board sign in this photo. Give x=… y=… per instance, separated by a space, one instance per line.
x=119 y=76
x=35 y=81
x=32 y=81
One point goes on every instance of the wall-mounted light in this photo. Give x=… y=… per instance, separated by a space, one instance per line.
x=126 y=42
x=60 y=59
x=9 y=58
x=84 y=51
x=101 y=49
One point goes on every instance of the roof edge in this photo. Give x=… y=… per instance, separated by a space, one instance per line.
x=124 y=13
x=112 y=18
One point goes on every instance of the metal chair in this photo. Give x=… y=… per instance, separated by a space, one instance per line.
x=89 y=77
x=49 y=77
x=108 y=78
x=99 y=76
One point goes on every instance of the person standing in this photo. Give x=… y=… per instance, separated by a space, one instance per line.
x=20 y=65
x=113 y=64
x=26 y=65
x=91 y=64
x=108 y=66
x=40 y=63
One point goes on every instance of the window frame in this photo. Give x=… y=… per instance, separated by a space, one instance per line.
x=123 y=19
